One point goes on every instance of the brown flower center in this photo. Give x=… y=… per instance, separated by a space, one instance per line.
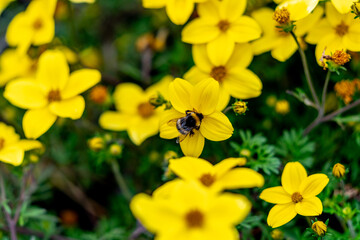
x=207 y=179
x=218 y=73
x=37 y=24
x=296 y=197
x=223 y=25
x=2 y=143
x=194 y=219
x=54 y=96
x=342 y=29
x=146 y=110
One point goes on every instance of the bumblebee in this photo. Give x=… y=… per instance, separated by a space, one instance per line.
x=187 y=124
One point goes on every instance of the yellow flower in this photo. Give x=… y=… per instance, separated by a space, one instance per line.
x=4 y=4
x=335 y=32
x=34 y=26
x=194 y=116
x=14 y=65
x=298 y=9
x=281 y=44
x=134 y=111
x=216 y=178
x=277 y=234
x=221 y=25
x=233 y=76
x=282 y=107
x=343 y=6
x=338 y=170
x=53 y=93
x=190 y=212
x=12 y=148
x=96 y=143
x=319 y=227
x=179 y=11
x=82 y=1
x=297 y=195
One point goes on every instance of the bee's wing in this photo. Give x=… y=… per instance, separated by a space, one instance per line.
x=181 y=138
x=172 y=122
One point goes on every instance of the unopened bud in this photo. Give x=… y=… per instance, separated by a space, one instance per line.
x=338 y=170
x=319 y=227
x=240 y=107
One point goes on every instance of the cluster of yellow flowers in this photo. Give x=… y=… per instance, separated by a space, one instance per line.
x=44 y=85
x=346 y=89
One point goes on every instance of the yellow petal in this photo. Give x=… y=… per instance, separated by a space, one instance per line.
x=229 y=209
x=216 y=127
x=352 y=41
x=242 y=83
x=209 y=11
x=154 y=3
x=18 y=30
x=27 y=145
x=13 y=155
x=128 y=96
x=242 y=178
x=343 y=6
x=199 y=31
x=53 y=70
x=193 y=145
x=46 y=33
x=299 y=9
x=281 y=214
x=313 y=185
x=37 y=121
x=220 y=49
x=166 y=190
x=195 y=75
x=311 y=21
x=225 y=165
x=25 y=93
x=180 y=92
x=80 y=81
x=153 y=215
x=115 y=121
x=224 y=99
x=330 y=43
x=276 y=195
x=309 y=207
x=285 y=49
x=190 y=168
x=244 y=29
x=143 y=129
x=176 y=16
x=241 y=57
x=168 y=120
x=205 y=96
x=201 y=59
x=160 y=87
x=321 y=29
x=293 y=175
x=332 y=15
x=232 y=9
x=265 y=44
x=70 y=108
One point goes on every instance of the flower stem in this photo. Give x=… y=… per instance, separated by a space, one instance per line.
x=120 y=179
x=306 y=71
x=323 y=98
x=9 y=220
x=351 y=228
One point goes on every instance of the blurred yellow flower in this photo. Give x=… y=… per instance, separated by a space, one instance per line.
x=343 y=6
x=96 y=143
x=277 y=234
x=14 y=65
x=281 y=44
x=319 y=227
x=233 y=76
x=298 y=9
x=134 y=111
x=297 y=195
x=12 y=148
x=179 y=11
x=338 y=170
x=194 y=116
x=34 y=26
x=4 y=4
x=221 y=24
x=216 y=178
x=53 y=93
x=334 y=32
x=192 y=213
x=346 y=89
x=282 y=107
x=82 y=1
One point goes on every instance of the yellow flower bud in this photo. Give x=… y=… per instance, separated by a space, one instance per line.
x=33 y=158
x=282 y=16
x=245 y=153
x=240 y=107
x=277 y=234
x=282 y=107
x=115 y=149
x=319 y=227
x=271 y=100
x=96 y=143
x=170 y=155
x=99 y=94
x=338 y=170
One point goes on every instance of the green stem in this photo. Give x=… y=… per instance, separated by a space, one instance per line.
x=351 y=228
x=306 y=71
x=120 y=179
x=323 y=98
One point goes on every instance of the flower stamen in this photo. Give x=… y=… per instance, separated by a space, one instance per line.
x=54 y=96
x=282 y=16
x=207 y=179
x=218 y=73
x=194 y=219
x=342 y=29
x=146 y=110
x=37 y=24
x=223 y=25
x=296 y=197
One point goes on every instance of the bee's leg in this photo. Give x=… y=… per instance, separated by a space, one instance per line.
x=187 y=112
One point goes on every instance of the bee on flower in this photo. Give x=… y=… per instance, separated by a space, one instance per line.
x=297 y=195
x=194 y=116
